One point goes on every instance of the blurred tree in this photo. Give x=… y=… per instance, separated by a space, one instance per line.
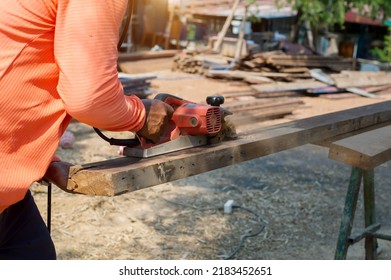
x=384 y=53
x=324 y=14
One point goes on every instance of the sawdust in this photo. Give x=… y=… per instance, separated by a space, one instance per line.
x=291 y=200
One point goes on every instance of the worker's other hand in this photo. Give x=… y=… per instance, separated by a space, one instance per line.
x=57 y=173
x=158 y=115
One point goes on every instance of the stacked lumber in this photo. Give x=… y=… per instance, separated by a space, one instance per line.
x=195 y=62
x=276 y=80
x=255 y=77
x=254 y=111
x=310 y=61
x=274 y=62
x=136 y=84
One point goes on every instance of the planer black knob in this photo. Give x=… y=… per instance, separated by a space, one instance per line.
x=215 y=100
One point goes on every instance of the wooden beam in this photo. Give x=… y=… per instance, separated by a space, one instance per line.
x=260 y=105
x=238 y=74
x=227 y=23
x=269 y=113
x=328 y=141
x=348 y=79
x=298 y=85
x=366 y=150
x=113 y=177
x=123 y=57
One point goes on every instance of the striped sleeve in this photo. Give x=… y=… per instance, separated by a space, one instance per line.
x=86 y=53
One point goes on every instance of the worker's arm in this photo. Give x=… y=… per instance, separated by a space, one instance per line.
x=85 y=48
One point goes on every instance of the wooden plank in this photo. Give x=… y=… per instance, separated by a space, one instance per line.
x=260 y=104
x=339 y=95
x=268 y=113
x=236 y=93
x=238 y=74
x=122 y=57
x=257 y=80
x=321 y=76
x=294 y=70
x=131 y=78
x=348 y=79
x=338 y=63
x=216 y=59
x=195 y=4
x=120 y=175
x=227 y=23
x=327 y=142
x=293 y=86
x=139 y=66
x=366 y=150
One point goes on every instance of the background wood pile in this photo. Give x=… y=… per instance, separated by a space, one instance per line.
x=277 y=71
x=137 y=84
x=275 y=64
x=250 y=111
x=277 y=80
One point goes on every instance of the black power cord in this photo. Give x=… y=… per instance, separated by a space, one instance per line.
x=113 y=141
x=251 y=233
x=49 y=208
x=118 y=142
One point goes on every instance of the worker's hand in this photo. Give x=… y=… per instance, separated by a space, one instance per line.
x=158 y=115
x=57 y=173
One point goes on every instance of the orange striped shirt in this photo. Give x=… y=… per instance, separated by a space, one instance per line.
x=58 y=59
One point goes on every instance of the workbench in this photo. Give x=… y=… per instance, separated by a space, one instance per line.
x=124 y=174
x=363 y=152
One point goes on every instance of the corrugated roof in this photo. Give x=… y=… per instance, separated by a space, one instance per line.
x=354 y=17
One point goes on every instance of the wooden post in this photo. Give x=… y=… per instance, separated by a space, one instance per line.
x=227 y=23
x=171 y=11
x=242 y=32
x=310 y=36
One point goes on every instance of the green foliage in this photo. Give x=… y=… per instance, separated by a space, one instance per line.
x=328 y=12
x=253 y=17
x=384 y=54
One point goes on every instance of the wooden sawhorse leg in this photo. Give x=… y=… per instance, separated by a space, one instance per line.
x=370 y=214
x=344 y=238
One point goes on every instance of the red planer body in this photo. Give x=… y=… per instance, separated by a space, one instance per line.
x=191 y=125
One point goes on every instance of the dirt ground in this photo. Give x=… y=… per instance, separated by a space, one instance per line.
x=289 y=204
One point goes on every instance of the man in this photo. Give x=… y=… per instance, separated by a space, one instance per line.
x=58 y=60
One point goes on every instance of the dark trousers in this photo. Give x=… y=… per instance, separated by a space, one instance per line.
x=23 y=233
